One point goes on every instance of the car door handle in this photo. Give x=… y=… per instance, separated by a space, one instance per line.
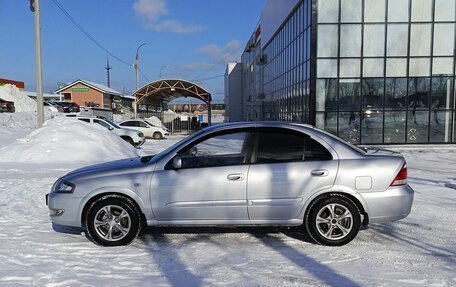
x=319 y=172
x=235 y=176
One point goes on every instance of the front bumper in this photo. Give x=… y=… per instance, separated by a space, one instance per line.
x=63 y=209
x=140 y=142
x=393 y=204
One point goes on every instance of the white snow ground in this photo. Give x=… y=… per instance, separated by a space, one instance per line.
x=416 y=251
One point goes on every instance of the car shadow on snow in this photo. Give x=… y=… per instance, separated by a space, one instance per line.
x=387 y=232
x=324 y=273
x=177 y=273
x=67 y=229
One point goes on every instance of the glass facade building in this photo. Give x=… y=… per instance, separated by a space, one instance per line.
x=369 y=71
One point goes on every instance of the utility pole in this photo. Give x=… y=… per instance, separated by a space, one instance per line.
x=108 y=67
x=136 y=66
x=35 y=8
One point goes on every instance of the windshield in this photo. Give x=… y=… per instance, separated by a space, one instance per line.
x=113 y=124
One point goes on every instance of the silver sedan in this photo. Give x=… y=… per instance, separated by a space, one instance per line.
x=257 y=173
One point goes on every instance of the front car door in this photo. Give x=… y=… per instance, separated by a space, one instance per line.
x=287 y=167
x=211 y=183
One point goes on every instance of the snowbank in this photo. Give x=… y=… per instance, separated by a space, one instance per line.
x=22 y=102
x=66 y=140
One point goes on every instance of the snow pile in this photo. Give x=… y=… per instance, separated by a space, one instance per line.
x=18 y=121
x=156 y=122
x=67 y=140
x=22 y=102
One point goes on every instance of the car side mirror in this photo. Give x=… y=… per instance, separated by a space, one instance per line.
x=177 y=162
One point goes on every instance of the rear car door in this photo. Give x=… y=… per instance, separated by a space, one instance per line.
x=287 y=167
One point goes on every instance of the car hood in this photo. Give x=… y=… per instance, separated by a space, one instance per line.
x=109 y=167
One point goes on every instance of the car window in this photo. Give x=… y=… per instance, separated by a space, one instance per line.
x=85 y=120
x=219 y=150
x=113 y=124
x=279 y=146
x=128 y=124
x=141 y=125
x=286 y=146
x=314 y=151
x=102 y=123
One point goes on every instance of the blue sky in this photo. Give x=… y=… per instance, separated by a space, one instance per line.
x=187 y=36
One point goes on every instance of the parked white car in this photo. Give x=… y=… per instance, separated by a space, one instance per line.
x=134 y=137
x=50 y=106
x=149 y=130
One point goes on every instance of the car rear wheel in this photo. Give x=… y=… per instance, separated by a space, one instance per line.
x=157 y=136
x=113 y=220
x=334 y=220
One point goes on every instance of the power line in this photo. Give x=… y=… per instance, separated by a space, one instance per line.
x=91 y=38
x=210 y=78
x=218 y=63
x=144 y=75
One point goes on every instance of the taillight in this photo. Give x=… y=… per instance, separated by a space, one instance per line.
x=401 y=177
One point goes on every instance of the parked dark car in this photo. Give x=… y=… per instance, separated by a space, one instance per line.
x=69 y=107
x=6 y=106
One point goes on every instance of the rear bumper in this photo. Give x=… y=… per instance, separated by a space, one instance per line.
x=393 y=204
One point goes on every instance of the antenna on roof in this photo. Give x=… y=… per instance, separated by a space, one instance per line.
x=108 y=67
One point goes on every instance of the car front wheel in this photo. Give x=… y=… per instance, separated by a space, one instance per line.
x=157 y=136
x=113 y=220
x=333 y=220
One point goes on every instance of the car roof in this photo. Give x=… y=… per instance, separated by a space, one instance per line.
x=133 y=120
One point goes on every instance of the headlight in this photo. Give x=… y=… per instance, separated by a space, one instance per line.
x=61 y=186
x=140 y=134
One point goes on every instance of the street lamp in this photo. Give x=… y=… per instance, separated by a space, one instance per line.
x=136 y=71
x=160 y=74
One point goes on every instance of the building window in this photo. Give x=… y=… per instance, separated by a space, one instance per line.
x=420 y=40
x=421 y=10
x=374 y=10
x=397 y=41
x=350 y=40
x=328 y=11
x=327 y=44
x=398 y=10
x=350 y=11
x=374 y=40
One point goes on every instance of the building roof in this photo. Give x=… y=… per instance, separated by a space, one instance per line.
x=45 y=95
x=100 y=87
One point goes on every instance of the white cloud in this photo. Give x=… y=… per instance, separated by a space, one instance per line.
x=174 y=26
x=227 y=53
x=152 y=10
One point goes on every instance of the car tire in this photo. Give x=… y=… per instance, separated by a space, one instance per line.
x=129 y=140
x=157 y=136
x=334 y=220
x=113 y=220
